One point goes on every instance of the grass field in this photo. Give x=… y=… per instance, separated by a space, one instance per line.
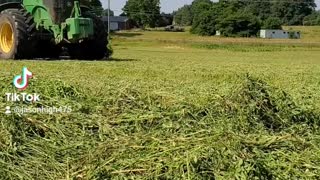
x=171 y=106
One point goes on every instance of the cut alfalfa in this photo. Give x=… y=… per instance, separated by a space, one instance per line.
x=56 y=89
x=273 y=156
x=274 y=108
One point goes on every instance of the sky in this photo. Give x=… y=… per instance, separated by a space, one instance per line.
x=167 y=6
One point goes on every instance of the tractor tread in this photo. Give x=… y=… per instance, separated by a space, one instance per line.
x=22 y=46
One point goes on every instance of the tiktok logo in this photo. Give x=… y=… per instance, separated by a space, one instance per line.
x=21 y=81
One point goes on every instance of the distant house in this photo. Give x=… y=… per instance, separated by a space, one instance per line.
x=279 y=34
x=118 y=23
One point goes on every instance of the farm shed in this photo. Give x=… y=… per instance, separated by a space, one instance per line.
x=118 y=22
x=279 y=34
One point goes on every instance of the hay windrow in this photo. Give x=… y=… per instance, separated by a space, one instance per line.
x=257 y=131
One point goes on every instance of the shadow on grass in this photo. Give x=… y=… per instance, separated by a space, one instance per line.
x=66 y=58
x=120 y=60
x=127 y=34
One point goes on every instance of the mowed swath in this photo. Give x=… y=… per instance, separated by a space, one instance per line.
x=172 y=105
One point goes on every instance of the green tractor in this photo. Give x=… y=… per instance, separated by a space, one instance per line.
x=46 y=28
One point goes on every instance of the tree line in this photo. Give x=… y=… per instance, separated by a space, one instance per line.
x=245 y=17
x=230 y=17
x=146 y=13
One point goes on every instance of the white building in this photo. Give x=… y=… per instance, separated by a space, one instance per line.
x=279 y=34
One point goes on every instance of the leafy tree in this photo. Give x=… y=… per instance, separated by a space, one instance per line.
x=188 y=13
x=259 y=8
x=292 y=12
x=203 y=21
x=206 y=26
x=239 y=24
x=272 y=23
x=105 y=12
x=143 y=12
x=237 y=20
x=313 y=19
x=289 y=12
x=165 y=20
x=184 y=16
x=199 y=6
x=96 y=5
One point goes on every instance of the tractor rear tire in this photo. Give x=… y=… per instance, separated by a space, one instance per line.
x=14 y=35
x=95 y=48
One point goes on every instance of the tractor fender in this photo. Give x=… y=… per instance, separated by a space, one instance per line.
x=12 y=5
